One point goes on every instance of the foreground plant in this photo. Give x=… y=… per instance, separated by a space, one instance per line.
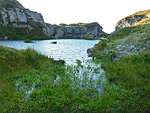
x=31 y=82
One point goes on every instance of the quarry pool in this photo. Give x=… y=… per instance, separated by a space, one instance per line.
x=65 y=49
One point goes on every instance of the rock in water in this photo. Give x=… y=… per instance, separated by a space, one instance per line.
x=53 y=42
x=89 y=51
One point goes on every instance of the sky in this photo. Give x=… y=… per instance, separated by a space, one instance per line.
x=106 y=12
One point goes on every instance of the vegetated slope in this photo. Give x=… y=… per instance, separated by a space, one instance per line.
x=126 y=60
x=141 y=17
x=10 y=4
x=14 y=64
x=30 y=82
x=19 y=34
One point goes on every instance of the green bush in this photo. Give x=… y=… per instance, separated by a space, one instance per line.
x=28 y=41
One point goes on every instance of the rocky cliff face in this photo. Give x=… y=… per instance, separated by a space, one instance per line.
x=77 y=31
x=29 y=20
x=21 y=18
x=133 y=19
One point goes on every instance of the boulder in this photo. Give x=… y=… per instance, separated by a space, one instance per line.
x=53 y=42
x=89 y=51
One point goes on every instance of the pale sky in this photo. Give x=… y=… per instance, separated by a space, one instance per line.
x=106 y=12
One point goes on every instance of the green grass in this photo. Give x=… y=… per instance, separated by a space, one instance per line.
x=22 y=71
x=15 y=63
x=131 y=31
x=28 y=41
x=79 y=24
x=136 y=35
x=131 y=72
x=55 y=87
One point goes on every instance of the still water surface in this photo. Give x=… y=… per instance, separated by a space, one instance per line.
x=66 y=49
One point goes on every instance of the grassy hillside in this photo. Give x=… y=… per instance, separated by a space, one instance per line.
x=28 y=84
x=10 y=4
x=126 y=59
x=14 y=64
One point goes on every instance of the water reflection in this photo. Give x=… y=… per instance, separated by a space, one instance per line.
x=65 y=49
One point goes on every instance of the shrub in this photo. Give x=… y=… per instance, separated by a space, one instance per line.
x=28 y=41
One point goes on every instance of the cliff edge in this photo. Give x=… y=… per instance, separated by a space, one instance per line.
x=17 y=21
x=141 y=17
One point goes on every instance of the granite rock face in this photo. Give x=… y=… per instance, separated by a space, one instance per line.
x=21 y=15
x=12 y=15
x=26 y=19
x=76 y=31
x=34 y=16
x=4 y=16
x=21 y=18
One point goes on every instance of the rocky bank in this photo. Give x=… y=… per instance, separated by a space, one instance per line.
x=131 y=37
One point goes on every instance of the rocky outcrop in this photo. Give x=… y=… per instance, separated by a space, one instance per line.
x=34 y=16
x=75 y=31
x=29 y=20
x=129 y=21
x=89 y=52
x=134 y=19
x=21 y=15
x=21 y=18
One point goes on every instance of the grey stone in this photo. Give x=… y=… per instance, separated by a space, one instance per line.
x=59 y=33
x=12 y=15
x=89 y=51
x=4 y=16
x=23 y=26
x=129 y=21
x=130 y=48
x=48 y=29
x=5 y=38
x=32 y=20
x=83 y=30
x=21 y=15
x=34 y=16
x=69 y=30
x=141 y=51
x=118 y=46
x=108 y=52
